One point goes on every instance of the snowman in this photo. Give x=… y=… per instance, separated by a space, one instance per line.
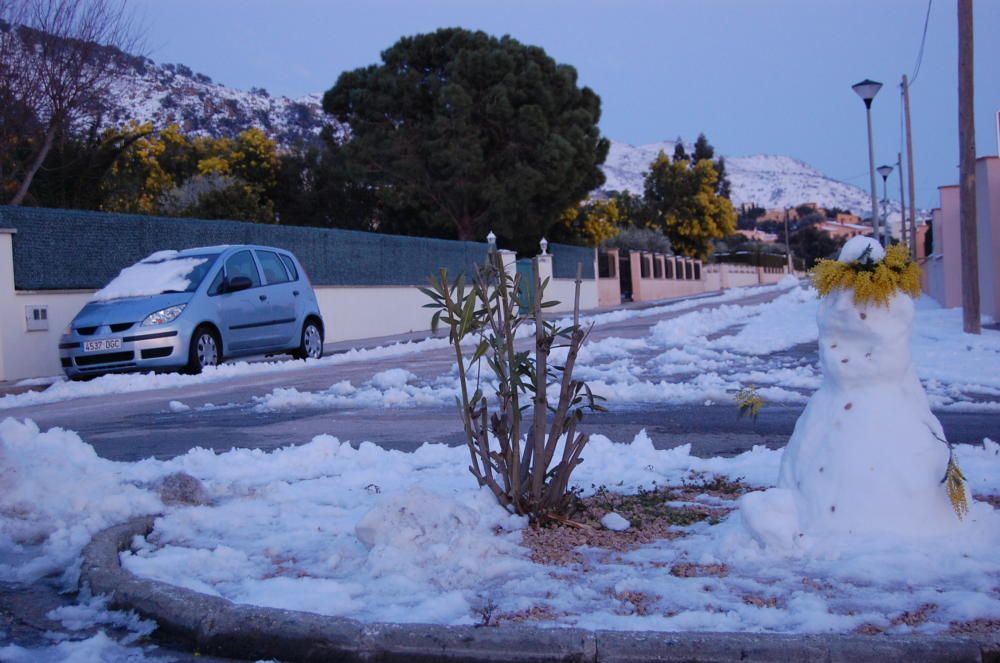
x=867 y=455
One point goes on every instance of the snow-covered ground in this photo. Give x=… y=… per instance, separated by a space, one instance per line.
x=373 y=534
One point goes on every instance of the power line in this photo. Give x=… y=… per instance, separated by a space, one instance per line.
x=923 y=40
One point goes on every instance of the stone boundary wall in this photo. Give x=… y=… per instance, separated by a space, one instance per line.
x=58 y=249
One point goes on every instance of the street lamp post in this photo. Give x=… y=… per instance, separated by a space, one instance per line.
x=867 y=89
x=885 y=171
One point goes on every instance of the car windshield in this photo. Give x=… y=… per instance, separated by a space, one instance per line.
x=197 y=275
x=162 y=272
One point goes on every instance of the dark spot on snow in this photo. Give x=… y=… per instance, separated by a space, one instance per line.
x=868 y=355
x=833 y=345
x=821 y=469
x=849 y=406
x=844 y=360
x=864 y=316
x=833 y=508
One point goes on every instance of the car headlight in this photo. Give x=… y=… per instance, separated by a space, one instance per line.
x=163 y=316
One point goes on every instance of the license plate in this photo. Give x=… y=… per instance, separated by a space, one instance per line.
x=102 y=345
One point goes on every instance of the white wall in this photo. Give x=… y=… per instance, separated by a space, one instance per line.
x=352 y=312
x=23 y=353
x=7 y=315
x=564 y=291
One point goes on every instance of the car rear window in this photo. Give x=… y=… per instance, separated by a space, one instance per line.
x=274 y=270
x=290 y=264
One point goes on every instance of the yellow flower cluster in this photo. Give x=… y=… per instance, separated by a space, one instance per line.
x=870 y=283
x=750 y=402
x=955 y=482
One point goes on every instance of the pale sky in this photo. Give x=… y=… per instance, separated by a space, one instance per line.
x=756 y=76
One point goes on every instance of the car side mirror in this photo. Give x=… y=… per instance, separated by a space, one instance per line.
x=238 y=283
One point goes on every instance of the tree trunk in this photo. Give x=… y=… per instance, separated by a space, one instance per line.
x=36 y=163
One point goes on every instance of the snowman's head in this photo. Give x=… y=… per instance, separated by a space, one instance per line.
x=861 y=249
x=864 y=345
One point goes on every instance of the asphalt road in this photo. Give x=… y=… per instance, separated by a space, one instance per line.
x=137 y=425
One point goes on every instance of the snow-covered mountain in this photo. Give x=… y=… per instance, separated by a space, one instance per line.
x=767 y=180
x=165 y=94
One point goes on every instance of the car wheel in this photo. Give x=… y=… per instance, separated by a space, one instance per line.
x=205 y=350
x=311 y=345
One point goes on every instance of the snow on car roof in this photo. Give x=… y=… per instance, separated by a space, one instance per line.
x=201 y=249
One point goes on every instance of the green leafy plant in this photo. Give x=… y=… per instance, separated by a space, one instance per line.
x=523 y=471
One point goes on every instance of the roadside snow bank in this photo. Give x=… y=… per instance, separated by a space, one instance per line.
x=64 y=390
x=55 y=492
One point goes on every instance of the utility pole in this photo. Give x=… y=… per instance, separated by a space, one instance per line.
x=967 y=172
x=788 y=247
x=909 y=169
x=903 y=237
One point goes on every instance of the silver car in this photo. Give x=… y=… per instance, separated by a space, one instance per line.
x=189 y=309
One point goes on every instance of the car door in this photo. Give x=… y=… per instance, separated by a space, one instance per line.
x=283 y=331
x=245 y=313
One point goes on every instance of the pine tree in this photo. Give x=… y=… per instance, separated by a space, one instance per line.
x=459 y=132
x=680 y=154
x=704 y=150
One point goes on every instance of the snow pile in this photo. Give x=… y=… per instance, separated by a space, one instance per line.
x=55 y=492
x=615 y=522
x=344 y=394
x=155 y=274
x=96 y=648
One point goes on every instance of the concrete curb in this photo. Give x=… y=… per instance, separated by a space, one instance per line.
x=216 y=626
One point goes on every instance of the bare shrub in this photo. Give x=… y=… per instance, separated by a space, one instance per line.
x=525 y=475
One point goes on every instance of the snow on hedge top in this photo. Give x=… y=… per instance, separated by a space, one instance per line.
x=856 y=247
x=155 y=274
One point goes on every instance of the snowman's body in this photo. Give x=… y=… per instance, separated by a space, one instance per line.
x=867 y=454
